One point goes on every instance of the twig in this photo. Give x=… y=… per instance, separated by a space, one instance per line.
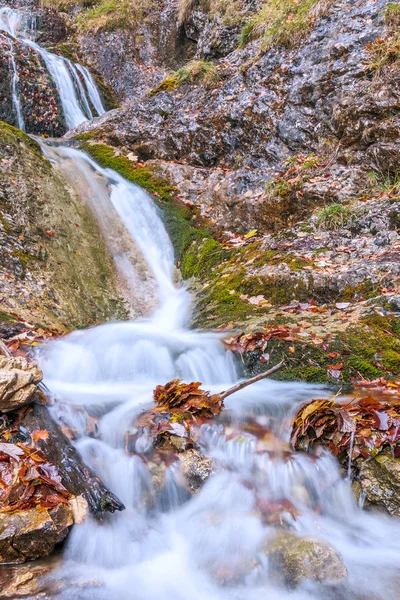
x=243 y=384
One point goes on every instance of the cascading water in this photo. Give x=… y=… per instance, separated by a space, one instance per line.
x=14 y=86
x=164 y=546
x=77 y=94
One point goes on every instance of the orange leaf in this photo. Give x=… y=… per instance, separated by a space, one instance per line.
x=40 y=434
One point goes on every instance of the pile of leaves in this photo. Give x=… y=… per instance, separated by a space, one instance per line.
x=28 y=480
x=187 y=397
x=362 y=428
x=179 y=407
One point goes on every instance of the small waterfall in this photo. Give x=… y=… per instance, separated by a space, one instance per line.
x=14 y=86
x=92 y=89
x=75 y=86
x=163 y=545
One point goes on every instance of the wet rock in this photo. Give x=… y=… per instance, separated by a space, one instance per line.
x=23 y=581
x=30 y=534
x=18 y=382
x=295 y=559
x=196 y=469
x=380 y=483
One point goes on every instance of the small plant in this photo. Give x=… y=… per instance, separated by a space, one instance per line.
x=277 y=187
x=334 y=217
x=387 y=184
x=310 y=162
x=392 y=14
x=385 y=52
x=291 y=160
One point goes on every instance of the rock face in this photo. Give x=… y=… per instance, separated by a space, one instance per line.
x=317 y=98
x=40 y=105
x=18 y=382
x=295 y=559
x=54 y=267
x=380 y=481
x=30 y=534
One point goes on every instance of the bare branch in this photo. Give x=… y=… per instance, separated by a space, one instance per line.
x=243 y=384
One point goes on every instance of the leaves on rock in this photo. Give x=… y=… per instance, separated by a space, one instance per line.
x=362 y=428
x=187 y=397
x=28 y=480
x=169 y=426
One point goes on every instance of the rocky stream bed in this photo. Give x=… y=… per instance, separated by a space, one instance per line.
x=192 y=193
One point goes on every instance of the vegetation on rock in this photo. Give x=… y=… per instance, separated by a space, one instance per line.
x=283 y=22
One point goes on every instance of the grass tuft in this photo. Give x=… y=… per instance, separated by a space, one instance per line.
x=392 y=14
x=194 y=72
x=283 y=22
x=334 y=216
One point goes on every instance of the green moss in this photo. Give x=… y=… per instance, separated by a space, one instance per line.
x=200 y=259
x=366 y=290
x=169 y=84
x=10 y=134
x=142 y=176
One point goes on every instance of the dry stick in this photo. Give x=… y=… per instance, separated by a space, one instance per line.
x=243 y=384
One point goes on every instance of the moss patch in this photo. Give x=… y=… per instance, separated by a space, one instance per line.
x=368 y=350
x=10 y=134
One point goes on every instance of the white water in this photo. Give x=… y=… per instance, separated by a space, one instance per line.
x=76 y=96
x=164 y=547
x=14 y=85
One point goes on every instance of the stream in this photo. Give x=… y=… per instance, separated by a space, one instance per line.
x=167 y=545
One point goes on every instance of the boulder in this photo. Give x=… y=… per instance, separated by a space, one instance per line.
x=30 y=534
x=18 y=382
x=294 y=559
x=379 y=479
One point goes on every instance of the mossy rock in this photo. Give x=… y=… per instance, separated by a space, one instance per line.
x=50 y=237
x=294 y=559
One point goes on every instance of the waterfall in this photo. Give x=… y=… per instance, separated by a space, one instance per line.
x=164 y=547
x=14 y=86
x=77 y=95
x=92 y=89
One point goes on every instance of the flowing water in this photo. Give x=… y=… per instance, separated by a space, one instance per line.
x=79 y=96
x=14 y=85
x=165 y=546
